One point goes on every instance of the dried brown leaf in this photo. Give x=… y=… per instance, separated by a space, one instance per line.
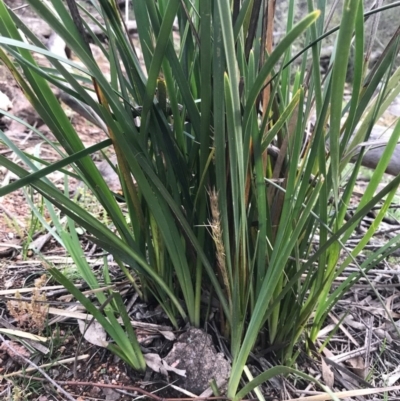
x=357 y=365
x=327 y=373
x=15 y=351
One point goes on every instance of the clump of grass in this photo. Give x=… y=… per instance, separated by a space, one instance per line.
x=230 y=117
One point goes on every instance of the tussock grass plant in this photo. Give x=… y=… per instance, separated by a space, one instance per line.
x=222 y=188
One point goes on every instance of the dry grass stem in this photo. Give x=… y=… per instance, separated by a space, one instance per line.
x=216 y=232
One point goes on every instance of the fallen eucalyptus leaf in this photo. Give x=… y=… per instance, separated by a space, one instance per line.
x=156 y=363
x=95 y=333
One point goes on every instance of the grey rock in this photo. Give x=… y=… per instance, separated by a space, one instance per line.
x=195 y=353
